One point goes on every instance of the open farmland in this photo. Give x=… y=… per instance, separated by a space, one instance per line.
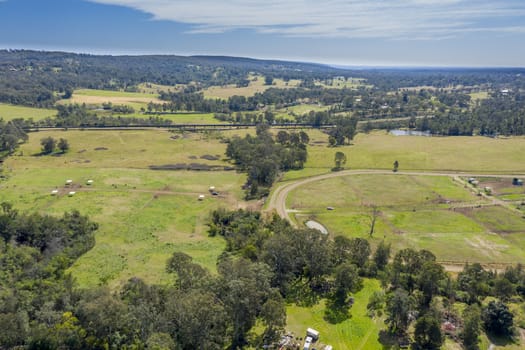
x=144 y=215
x=421 y=212
x=256 y=85
x=9 y=112
x=379 y=150
x=98 y=97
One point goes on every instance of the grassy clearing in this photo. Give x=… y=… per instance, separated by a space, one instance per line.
x=10 y=112
x=144 y=215
x=497 y=219
x=181 y=118
x=476 y=96
x=421 y=212
x=256 y=86
x=343 y=83
x=379 y=150
x=360 y=332
x=136 y=100
x=121 y=149
x=303 y=109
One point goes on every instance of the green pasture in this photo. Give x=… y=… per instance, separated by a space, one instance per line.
x=379 y=150
x=303 y=109
x=95 y=97
x=476 y=96
x=256 y=86
x=10 y=112
x=121 y=149
x=343 y=83
x=144 y=215
x=112 y=93
x=421 y=212
x=360 y=332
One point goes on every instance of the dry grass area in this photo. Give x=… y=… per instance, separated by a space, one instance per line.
x=256 y=85
x=97 y=97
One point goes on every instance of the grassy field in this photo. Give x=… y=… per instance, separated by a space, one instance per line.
x=421 y=212
x=360 y=332
x=144 y=215
x=136 y=100
x=379 y=150
x=343 y=83
x=256 y=85
x=10 y=112
x=476 y=96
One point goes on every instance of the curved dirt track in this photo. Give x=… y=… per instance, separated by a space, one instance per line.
x=277 y=201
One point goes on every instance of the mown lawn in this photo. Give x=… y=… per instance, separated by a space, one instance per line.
x=360 y=332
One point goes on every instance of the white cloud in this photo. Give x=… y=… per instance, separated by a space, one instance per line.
x=395 y=19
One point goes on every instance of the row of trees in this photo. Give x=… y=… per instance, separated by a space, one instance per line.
x=49 y=145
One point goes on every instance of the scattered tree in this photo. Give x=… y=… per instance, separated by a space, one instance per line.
x=339 y=160
x=63 y=145
x=427 y=333
x=396 y=166
x=48 y=145
x=498 y=320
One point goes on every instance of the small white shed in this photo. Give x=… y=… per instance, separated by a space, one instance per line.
x=310 y=332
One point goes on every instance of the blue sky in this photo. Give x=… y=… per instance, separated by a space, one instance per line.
x=374 y=32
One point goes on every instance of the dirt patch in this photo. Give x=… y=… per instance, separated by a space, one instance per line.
x=209 y=157
x=192 y=157
x=101 y=149
x=82 y=151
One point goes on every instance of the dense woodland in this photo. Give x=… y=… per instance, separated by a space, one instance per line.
x=434 y=100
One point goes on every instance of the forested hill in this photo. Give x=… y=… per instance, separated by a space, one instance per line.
x=35 y=77
x=39 y=78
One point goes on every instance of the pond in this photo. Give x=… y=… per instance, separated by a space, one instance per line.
x=398 y=132
x=316 y=226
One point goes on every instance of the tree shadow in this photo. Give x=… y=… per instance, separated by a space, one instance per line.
x=392 y=341
x=499 y=340
x=335 y=313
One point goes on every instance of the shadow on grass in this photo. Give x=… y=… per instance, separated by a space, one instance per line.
x=500 y=340
x=392 y=341
x=336 y=313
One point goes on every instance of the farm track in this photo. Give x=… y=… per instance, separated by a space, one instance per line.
x=277 y=200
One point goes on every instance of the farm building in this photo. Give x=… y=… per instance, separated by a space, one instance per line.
x=71 y=194
x=54 y=192
x=69 y=182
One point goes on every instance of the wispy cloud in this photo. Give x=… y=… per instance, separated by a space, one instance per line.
x=394 y=19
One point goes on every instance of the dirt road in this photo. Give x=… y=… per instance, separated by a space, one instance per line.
x=277 y=201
